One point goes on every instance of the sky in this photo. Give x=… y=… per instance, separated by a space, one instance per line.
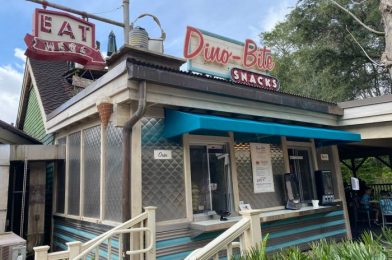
x=235 y=19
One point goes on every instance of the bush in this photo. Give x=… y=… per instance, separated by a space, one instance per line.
x=368 y=247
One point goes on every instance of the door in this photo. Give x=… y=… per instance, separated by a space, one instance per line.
x=211 y=179
x=301 y=164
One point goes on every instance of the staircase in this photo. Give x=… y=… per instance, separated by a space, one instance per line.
x=142 y=225
x=247 y=231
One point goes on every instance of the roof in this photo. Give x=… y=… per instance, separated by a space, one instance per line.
x=11 y=135
x=145 y=71
x=53 y=88
x=366 y=101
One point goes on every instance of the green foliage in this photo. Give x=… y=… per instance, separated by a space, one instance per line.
x=317 y=57
x=369 y=247
x=372 y=171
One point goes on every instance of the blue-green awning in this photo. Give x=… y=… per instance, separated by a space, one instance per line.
x=178 y=123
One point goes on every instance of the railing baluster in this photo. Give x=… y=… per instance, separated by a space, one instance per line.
x=229 y=251
x=216 y=257
x=141 y=239
x=109 y=248
x=97 y=253
x=120 y=247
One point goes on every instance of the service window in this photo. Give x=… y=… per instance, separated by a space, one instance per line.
x=211 y=179
x=301 y=165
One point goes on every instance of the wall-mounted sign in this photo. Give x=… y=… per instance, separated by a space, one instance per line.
x=263 y=179
x=254 y=79
x=216 y=55
x=162 y=154
x=61 y=36
x=324 y=157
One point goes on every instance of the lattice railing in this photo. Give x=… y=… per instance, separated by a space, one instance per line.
x=144 y=224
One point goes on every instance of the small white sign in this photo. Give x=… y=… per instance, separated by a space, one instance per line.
x=263 y=179
x=324 y=157
x=162 y=154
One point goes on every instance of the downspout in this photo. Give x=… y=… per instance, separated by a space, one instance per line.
x=127 y=132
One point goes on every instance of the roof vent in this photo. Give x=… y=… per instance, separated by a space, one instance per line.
x=138 y=37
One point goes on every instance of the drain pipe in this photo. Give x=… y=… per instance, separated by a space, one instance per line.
x=127 y=132
x=126 y=174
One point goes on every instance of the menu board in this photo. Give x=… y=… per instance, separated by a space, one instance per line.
x=263 y=179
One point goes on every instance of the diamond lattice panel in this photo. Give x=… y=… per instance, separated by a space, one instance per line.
x=163 y=180
x=113 y=184
x=92 y=162
x=74 y=174
x=245 y=178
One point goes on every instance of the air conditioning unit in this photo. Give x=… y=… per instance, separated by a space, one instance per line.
x=12 y=247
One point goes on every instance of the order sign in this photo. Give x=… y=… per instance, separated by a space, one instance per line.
x=263 y=179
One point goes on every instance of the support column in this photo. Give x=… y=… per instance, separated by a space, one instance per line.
x=252 y=237
x=342 y=195
x=4 y=181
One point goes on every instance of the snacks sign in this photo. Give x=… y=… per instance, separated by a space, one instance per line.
x=61 y=36
x=244 y=63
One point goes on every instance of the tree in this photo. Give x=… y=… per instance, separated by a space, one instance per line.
x=318 y=55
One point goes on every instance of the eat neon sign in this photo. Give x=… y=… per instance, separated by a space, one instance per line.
x=251 y=56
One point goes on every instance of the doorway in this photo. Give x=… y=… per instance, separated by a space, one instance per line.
x=211 y=179
x=301 y=164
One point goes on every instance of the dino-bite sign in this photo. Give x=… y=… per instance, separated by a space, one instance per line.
x=61 y=36
x=219 y=56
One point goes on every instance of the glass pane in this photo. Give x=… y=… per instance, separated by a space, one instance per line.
x=220 y=181
x=92 y=162
x=201 y=199
x=113 y=183
x=74 y=174
x=300 y=164
x=60 y=181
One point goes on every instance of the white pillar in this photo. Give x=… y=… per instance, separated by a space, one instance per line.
x=151 y=224
x=41 y=252
x=252 y=237
x=4 y=180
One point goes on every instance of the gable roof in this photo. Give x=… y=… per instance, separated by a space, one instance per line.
x=53 y=88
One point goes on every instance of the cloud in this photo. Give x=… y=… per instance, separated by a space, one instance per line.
x=10 y=84
x=273 y=16
x=19 y=53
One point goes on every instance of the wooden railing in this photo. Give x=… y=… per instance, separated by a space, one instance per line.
x=377 y=188
x=247 y=231
x=144 y=224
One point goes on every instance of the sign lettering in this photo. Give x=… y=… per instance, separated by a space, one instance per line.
x=209 y=53
x=61 y=36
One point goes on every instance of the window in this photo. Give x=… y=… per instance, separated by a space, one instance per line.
x=60 y=181
x=74 y=174
x=301 y=165
x=92 y=163
x=211 y=179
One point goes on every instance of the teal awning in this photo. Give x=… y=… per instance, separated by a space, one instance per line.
x=178 y=123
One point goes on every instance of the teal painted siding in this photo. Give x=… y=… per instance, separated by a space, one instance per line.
x=33 y=122
x=177 y=244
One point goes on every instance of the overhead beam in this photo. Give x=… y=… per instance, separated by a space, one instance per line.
x=37 y=152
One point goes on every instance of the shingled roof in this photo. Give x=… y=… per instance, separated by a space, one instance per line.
x=53 y=88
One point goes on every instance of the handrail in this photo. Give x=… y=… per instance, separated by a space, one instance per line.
x=78 y=250
x=220 y=243
x=117 y=232
x=129 y=223
x=248 y=230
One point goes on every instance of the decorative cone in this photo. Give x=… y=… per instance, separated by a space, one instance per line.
x=105 y=110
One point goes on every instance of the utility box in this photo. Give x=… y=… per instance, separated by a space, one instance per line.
x=12 y=247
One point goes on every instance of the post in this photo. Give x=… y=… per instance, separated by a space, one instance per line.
x=74 y=249
x=126 y=21
x=151 y=211
x=41 y=252
x=252 y=237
